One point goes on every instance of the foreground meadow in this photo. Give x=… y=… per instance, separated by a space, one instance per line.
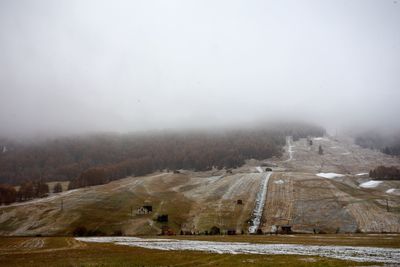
x=67 y=251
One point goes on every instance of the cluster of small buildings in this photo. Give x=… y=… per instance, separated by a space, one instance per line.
x=167 y=230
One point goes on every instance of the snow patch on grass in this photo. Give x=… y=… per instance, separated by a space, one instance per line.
x=358 y=254
x=370 y=184
x=279 y=182
x=362 y=174
x=329 y=175
x=393 y=191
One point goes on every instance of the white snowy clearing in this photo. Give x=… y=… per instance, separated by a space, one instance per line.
x=329 y=175
x=393 y=191
x=362 y=174
x=290 y=147
x=359 y=254
x=260 y=202
x=370 y=184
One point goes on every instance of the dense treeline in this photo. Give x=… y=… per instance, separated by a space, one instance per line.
x=98 y=159
x=8 y=194
x=32 y=189
x=199 y=152
x=385 y=173
x=388 y=144
x=27 y=190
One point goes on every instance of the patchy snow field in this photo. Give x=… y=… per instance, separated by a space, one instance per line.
x=329 y=175
x=359 y=254
x=370 y=184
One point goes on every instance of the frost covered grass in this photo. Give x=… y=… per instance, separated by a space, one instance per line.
x=357 y=254
x=67 y=251
x=370 y=184
x=393 y=191
x=329 y=175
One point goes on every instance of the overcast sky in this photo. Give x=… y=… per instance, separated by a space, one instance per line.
x=72 y=66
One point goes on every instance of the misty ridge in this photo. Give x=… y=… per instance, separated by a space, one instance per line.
x=199 y=132
x=115 y=156
x=136 y=87
x=88 y=84
x=76 y=67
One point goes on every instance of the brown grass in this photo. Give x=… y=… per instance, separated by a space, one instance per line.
x=64 y=251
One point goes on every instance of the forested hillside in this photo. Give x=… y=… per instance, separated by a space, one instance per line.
x=388 y=144
x=94 y=159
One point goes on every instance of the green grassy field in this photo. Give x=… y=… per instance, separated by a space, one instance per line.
x=66 y=251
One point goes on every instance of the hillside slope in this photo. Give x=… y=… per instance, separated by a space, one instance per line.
x=196 y=201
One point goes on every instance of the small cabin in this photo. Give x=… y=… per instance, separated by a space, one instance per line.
x=149 y=208
x=231 y=232
x=239 y=202
x=286 y=229
x=144 y=210
x=162 y=218
x=166 y=230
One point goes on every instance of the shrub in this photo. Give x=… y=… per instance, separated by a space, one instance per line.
x=80 y=231
x=215 y=231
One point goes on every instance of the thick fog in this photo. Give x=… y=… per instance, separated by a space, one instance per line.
x=78 y=66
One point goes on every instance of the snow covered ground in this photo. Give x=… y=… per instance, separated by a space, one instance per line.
x=362 y=174
x=329 y=175
x=393 y=191
x=370 y=184
x=290 y=147
x=260 y=202
x=359 y=254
